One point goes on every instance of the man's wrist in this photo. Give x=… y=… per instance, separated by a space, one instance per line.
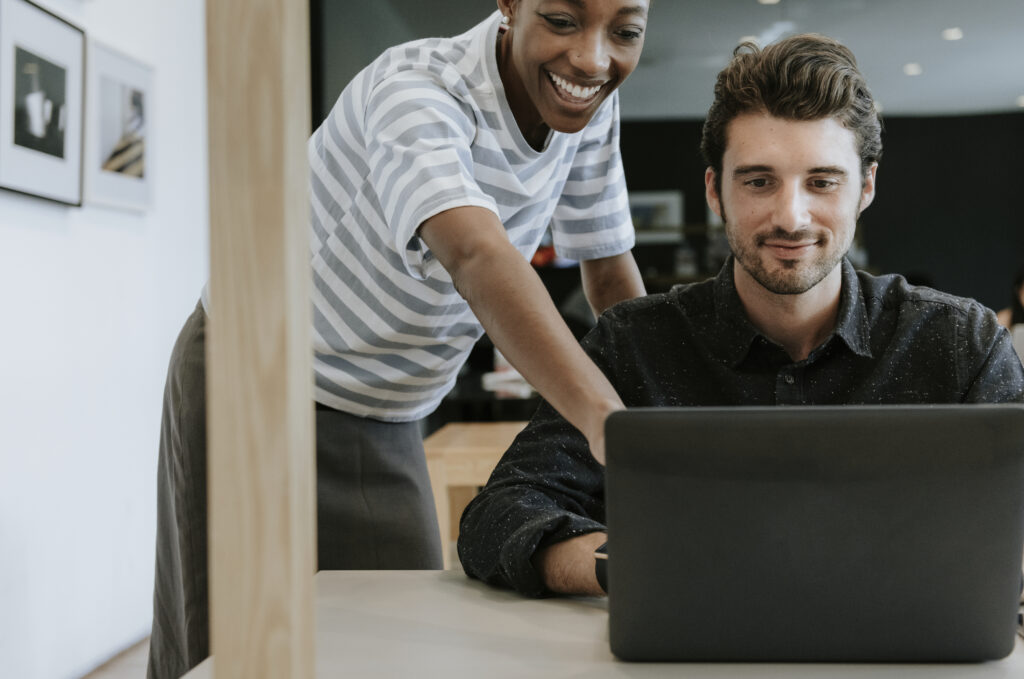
x=567 y=567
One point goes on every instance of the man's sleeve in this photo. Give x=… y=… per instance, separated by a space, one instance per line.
x=547 y=488
x=996 y=374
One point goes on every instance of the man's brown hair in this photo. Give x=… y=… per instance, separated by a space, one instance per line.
x=804 y=77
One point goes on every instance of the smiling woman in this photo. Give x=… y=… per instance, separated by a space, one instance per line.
x=560 y=59
x=434 y=178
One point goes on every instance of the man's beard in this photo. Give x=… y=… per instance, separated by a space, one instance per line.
x=794 y=277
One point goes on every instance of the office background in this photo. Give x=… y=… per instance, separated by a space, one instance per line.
x=944 y=212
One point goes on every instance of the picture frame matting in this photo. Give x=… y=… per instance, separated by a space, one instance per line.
x=41 y=102
x=118 y=149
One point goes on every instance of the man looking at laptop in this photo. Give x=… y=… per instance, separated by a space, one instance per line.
x=792 y=141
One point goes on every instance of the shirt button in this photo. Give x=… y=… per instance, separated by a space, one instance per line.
x=789 y=379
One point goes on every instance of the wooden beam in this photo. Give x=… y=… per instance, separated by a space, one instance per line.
x=261 y=462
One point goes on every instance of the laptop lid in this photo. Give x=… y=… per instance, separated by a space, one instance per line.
x=851 y=533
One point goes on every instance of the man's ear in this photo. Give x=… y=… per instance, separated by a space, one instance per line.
x=711 y=191
x=867 y=192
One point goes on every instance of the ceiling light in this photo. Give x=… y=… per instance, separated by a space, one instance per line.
x=913 y=68
x=952 y=34
x=768 y=2
x=1020 y=101
x=749 y=38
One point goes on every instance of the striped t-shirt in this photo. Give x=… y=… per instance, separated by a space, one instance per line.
x=423 y=129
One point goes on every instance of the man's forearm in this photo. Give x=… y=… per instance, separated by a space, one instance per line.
x=568 y=567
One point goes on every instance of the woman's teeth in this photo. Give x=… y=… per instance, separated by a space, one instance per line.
x=574 y=90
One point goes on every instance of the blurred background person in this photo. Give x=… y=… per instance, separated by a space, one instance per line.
x=1014 y=314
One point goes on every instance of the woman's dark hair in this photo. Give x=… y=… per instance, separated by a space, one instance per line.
x=804 y=77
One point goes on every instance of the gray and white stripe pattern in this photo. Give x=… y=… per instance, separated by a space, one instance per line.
x=424 y=129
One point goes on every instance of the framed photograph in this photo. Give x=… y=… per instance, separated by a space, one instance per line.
x=657 y=215
x=41 y=103
x=117 y=144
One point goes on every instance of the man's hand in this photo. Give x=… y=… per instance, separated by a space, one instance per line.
x=568 y=567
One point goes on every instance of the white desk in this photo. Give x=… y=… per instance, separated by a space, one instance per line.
x=405 y=624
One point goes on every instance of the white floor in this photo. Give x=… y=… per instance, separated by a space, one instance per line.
x=128 y=665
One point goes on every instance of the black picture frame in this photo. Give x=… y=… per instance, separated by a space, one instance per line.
x=42 y=103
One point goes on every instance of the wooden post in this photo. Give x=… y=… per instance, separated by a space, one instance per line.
x=261 y=461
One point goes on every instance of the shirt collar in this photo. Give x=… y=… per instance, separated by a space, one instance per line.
x=738 y=334
x=852 y=323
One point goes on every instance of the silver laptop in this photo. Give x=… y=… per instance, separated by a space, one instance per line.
x=856 y=533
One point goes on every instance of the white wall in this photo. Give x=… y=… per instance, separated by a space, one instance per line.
x=91 y=300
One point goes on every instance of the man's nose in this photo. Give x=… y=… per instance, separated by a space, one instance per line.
x=791 y=208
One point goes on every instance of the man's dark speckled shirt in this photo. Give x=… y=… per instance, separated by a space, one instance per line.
x=692 y=346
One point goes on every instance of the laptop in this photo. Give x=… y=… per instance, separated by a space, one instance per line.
x=838 y=533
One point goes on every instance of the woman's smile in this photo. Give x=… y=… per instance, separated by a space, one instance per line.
x=574 y=93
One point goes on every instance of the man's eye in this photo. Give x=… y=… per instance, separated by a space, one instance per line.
x=825 y=184
x=757 y=183
x=630 y=34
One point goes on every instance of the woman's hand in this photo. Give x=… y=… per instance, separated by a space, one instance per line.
x=515 y=309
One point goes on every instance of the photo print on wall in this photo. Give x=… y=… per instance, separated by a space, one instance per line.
x=40 y=106
x=118 y=141
x=41 y=103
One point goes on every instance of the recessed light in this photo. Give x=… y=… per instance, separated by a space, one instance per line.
x=768 y=2
x=952 y=34
x=1020 y=101
x=913 y=68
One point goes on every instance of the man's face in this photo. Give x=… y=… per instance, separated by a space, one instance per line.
x=567 y=57
x=791 y=192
